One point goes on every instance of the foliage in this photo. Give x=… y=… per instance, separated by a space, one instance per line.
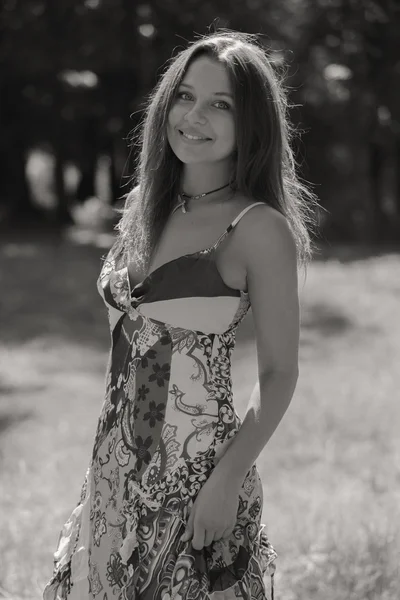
x=74 y=75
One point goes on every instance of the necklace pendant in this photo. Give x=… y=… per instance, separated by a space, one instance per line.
x=184 y=201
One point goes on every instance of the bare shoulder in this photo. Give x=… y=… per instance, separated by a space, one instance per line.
x=270 y=259
x=264 y=231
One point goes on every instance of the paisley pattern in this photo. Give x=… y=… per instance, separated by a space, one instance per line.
x=166 y=420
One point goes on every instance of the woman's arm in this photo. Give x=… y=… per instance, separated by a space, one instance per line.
x=271 y=264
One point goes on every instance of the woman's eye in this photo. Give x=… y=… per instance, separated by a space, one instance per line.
x=225 y=104
x=180 y=94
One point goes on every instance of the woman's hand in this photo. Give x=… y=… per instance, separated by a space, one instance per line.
x=214 y=512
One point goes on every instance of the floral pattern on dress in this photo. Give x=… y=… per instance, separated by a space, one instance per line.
x=166 y=420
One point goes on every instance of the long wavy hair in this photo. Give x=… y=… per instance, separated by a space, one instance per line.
x=265 y=167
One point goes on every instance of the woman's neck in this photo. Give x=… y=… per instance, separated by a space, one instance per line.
x=194 y=182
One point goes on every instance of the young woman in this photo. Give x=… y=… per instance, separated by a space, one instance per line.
x=217 y=222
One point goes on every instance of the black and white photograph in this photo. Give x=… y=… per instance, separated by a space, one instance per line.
x=199 y=317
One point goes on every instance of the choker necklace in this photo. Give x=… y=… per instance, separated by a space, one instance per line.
x=183 y=201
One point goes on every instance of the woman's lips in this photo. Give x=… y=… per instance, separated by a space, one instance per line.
x=193 y=141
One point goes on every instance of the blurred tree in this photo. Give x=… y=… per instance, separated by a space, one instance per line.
x=15 y=197
x=344 y=60
x=75 y=75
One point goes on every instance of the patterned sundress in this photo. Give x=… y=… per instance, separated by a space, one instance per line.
x=167 y=418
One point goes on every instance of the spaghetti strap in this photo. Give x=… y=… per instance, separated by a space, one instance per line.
x=234 y=223
x=240 y=215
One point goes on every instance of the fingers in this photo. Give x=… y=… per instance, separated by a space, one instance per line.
x=209 y=538
x=198 y=541
x=227 y=533
x=202 y=538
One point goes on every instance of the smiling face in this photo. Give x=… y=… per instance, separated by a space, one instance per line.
x=203 y=106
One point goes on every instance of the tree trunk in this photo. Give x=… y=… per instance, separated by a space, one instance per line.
x=15 y=197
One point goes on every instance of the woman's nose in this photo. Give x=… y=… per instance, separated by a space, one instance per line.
x=195 y=114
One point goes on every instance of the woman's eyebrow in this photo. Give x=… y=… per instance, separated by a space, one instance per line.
x=215 y=93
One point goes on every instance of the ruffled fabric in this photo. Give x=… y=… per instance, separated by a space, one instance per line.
x=167 y=418
x=72 y=550
x=204 y=574
x=152 y=562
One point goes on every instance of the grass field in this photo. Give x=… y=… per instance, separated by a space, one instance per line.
x=331 y=472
